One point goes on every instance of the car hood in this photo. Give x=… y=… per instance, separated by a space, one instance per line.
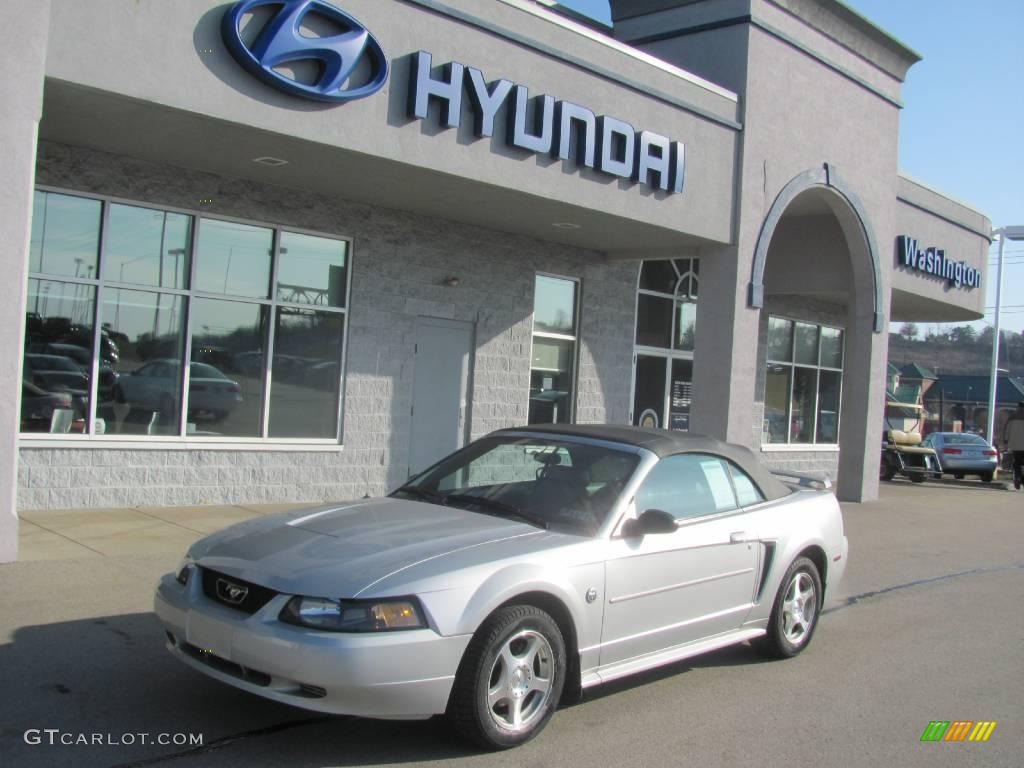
x=341 y=550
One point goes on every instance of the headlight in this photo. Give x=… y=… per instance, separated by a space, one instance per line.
x=184 y=570
x=354 y=615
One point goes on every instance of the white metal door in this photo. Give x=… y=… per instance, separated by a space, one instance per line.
x=444 y=349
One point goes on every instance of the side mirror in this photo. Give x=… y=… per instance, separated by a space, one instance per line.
x=651 y=521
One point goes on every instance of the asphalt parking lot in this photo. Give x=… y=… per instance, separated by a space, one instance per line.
x=927 y=626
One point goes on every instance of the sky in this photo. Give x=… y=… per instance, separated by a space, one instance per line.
x=963 y=119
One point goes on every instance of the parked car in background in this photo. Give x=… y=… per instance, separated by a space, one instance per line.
x=156 y=386
x=964 y=453
x=54 y=373
x=38 y=405
x=83 y=358
x=528 y=566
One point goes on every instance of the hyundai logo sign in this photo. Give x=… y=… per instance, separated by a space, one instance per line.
x=351 y=62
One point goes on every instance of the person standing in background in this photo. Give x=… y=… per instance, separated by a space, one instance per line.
x=1013 y=441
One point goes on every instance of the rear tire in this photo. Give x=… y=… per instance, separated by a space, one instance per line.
x=795 y=612
x=958 y=475
x=510 y=678
x=986 y=477
x=917 y=477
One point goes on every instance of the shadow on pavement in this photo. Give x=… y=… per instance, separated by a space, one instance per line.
x=110 y=679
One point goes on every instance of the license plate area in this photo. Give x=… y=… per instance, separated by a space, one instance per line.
x=209 y=635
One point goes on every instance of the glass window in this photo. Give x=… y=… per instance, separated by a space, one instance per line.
x=806 y=344
x=305 y=383
x=686 y=325
x=312 y=270
x=686 y=486
x=654 y=321
x=747 y=494
x=145 y=397
x=805 y=387
x=234 y=258
x=828 y=407
x=65 y=235
x=226 y=377
x=658 y=276
x=58 y=356
x=649 y=391
x=148 y=331
x=780 y=339
x=147 y=247
x=803 y=383
x=554 y=305
x=552 y=374
x=831 y=348
x=776 y=403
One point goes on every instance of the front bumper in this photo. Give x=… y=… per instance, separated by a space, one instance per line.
x=392 y=675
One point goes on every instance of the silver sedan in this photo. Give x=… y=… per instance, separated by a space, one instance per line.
x=529 y=566
x=964 y=453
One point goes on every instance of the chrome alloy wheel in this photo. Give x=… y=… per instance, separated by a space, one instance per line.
x=799 y=608
x=520 y=681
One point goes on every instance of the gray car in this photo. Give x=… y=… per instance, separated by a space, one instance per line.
x=529 y=566
x=964 y=453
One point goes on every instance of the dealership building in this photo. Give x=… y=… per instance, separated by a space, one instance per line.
x=296 y=251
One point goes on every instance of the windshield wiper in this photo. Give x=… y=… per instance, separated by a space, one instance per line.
x=506 y=510
x=422 y=493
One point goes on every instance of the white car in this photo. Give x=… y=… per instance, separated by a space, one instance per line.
x=530 y=565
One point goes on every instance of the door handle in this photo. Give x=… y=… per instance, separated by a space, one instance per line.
x=738 y=537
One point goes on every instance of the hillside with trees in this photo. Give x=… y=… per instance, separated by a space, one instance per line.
x=958 y=350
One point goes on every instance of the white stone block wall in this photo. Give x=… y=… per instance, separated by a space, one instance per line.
x=398 y=266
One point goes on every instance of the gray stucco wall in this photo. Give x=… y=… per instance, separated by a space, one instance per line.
x=23 y=58
x=399 y=263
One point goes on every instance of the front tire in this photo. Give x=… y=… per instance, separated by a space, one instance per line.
x=510 y=679
x=795 y=612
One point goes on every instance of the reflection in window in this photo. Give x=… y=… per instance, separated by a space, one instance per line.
x=554 y=351
x=312 y=270
x=228 y=339
x=65 y=235
x=554 y=305
x=146 y=393
x=147 y=333
x=147 y=247
x=234 y=259
x=57 y=366
x=803 y=383
x=649 y=391
x=306 y=373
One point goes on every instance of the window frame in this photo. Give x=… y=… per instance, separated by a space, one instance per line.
x=671 y=353
x=792 y=365
x=575 y=339
x=183 y=440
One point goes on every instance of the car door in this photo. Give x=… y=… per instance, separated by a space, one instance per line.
x=668 y=589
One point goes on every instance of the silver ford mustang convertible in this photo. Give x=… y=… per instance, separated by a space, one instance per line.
x=512 y=575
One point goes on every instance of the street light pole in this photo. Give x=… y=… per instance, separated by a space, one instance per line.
x=1004 y=233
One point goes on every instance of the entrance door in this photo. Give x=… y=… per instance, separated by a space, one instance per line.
x=661 y=391
x=440 y=386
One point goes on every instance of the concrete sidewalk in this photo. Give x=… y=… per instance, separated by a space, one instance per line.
x=69 y=534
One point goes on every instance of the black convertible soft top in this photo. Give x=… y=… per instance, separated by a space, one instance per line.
x=666 y=443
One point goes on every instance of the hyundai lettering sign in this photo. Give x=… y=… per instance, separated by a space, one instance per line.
x=268 y=36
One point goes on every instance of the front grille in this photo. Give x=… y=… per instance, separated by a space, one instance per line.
x=235 y=593
x=227 y=667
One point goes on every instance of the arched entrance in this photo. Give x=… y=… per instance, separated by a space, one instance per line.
x=817 y=280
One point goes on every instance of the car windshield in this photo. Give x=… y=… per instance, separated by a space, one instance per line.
x=963 y=438
x=544 y=481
